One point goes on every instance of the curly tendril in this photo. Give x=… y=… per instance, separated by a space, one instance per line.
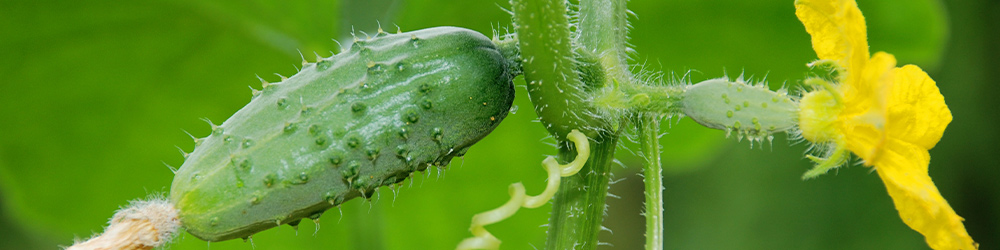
x=482 y=239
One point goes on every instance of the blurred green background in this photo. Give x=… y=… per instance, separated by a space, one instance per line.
x=95 y=94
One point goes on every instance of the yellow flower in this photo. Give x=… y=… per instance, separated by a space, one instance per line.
x=888 y=116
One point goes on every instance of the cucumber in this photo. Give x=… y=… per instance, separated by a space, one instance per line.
x=753 y=111
x=341 y=127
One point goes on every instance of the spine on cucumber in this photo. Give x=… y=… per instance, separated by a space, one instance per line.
x=341 y=127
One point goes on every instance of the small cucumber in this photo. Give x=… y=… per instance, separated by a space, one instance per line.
x=341 y=127
x=735 y=106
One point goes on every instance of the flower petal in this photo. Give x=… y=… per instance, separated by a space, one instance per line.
x=903 y=169
x=917 y=112
x=838 y=30
x=864 y=117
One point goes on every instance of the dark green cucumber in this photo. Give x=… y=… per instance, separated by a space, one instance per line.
x=341 y=127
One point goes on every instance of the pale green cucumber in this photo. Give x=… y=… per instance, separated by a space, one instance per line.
x=752 y=111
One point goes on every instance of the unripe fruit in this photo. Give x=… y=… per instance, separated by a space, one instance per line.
x=341 y=127
x=734 y=106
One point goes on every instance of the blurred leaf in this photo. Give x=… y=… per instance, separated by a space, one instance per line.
x=103 y=89
x=916 y=31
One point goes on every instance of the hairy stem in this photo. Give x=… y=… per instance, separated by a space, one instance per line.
x=649 y=135
x=604 y=32
x=547 y=52
x=559 y=86
x=638 y=98
x=578 y=208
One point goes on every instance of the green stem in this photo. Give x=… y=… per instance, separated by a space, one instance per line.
x=604 y=32
x=660 y=99
x=578 y=208
x=649 y=135
x=554 y=85
x=637 y=98
x=560 y=80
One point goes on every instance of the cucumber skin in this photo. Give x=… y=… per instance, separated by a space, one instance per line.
x=341 y=127
x=755 y=111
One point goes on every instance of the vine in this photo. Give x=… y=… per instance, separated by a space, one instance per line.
x=575 y=62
